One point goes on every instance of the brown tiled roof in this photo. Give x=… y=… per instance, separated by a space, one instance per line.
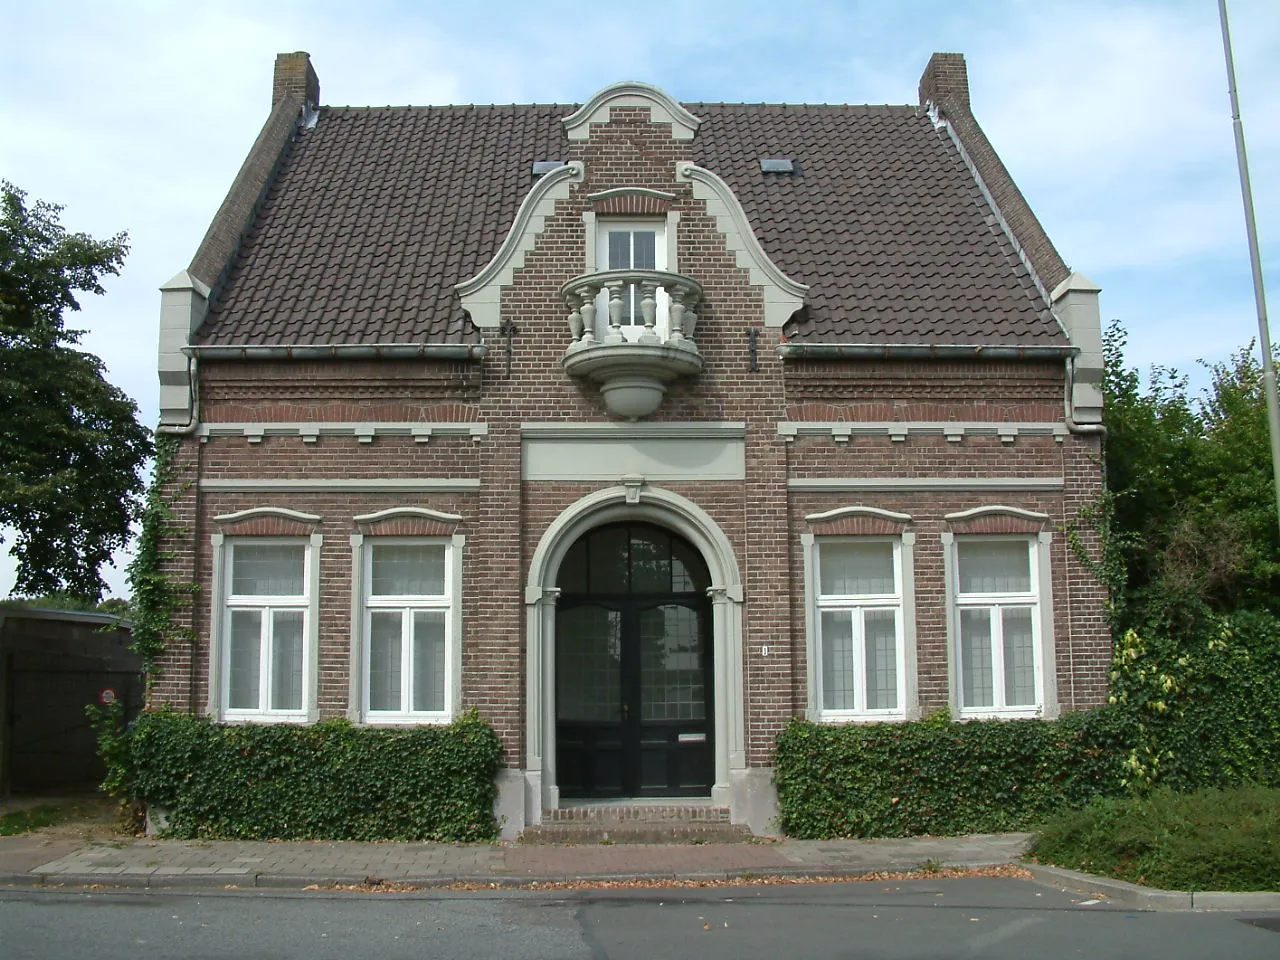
x=377 y=212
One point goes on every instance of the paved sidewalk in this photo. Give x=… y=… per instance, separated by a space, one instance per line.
x=177 y=863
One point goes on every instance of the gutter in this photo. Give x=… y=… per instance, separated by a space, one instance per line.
x=905 y=351
x=340 y=351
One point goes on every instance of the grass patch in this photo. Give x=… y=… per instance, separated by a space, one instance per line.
x=32 y=818
x=1205 y=840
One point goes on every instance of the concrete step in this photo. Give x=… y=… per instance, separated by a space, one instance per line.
x=637 y=823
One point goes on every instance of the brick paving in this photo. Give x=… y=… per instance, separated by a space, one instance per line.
x=151 y=862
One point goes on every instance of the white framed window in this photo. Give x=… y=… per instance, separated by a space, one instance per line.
x=267 y=629
x=409 y=624
x=997 y=628
x=860 y=668
x=632 y=245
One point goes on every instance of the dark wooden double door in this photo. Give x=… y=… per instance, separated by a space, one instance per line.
x=633 y=667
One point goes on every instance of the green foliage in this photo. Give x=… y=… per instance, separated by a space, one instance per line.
x=1186 y=713
x=70 y=442
x=1190 y=508
x=156 y=598
x=1210 y=839
x=936 y=777
x=1206 y=708
x=327 y=781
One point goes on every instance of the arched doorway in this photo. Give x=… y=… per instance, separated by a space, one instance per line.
x=634 y=671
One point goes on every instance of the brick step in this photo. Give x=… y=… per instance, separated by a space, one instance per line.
x=650 y=811
x=635 y=831
x=637 y=823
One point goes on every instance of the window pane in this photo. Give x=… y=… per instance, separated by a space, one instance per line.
x=881 y=651
x=609 y=560
x=650 y=561
x=856 y=569
x=573 y=569
x=384 y=660
x=244 y=651
x=994 y=566
x=645 y=250
x=408 y=569
x=286 y=660
x=428 y=660
x=267 y=570
x=688 y=571
x=975 y=658
x=837 y=661
x=619 y=249
x=1019 y=657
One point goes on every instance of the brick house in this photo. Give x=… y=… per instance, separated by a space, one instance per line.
x=640 y=426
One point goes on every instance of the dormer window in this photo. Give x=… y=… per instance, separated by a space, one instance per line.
x=631 y=245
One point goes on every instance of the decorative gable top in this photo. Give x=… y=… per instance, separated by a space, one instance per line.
x=632 y=93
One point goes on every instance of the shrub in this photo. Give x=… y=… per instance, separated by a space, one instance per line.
x=326 y=781
x=1207 y=706
x=1205 y=840
x=931 y=777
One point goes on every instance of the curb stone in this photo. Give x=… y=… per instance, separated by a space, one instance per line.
x=1123 y=893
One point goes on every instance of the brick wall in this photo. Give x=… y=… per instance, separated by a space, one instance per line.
x=505 y=518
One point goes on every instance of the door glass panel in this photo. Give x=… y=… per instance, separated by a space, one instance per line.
x=975 y=657
x=881 y=651
x=246 y=649
x=644 y=250
x=671 y=674
x=385 y=651
x=1019 y=657
x=286 y=660
x=650 y=560
x=619 y=249
x=837 y=660
x=428 y=660
x=589 y=664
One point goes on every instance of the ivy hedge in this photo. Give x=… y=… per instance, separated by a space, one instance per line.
x=1184 y=713
x=327 y=781
x=936 y=777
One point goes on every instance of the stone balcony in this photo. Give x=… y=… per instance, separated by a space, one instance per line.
x=632 y=335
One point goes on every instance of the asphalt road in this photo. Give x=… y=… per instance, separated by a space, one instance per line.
x=935 y=919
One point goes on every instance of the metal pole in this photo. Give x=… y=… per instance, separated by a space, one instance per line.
x=1259 y=295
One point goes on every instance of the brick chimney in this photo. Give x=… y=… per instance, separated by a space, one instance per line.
x=945 y=82
x=295 y=78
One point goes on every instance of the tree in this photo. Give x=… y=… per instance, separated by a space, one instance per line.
x=1189 y=487
x=70 y=442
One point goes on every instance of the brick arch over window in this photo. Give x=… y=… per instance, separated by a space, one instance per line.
x=858 y=521
x=999 y=519
x=408 y=522
x=632 y=202
x=267 y=522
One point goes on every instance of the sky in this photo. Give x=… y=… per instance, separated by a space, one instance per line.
x=1112 y=116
